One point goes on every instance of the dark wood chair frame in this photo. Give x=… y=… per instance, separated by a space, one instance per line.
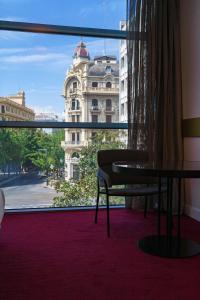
x=104 y=188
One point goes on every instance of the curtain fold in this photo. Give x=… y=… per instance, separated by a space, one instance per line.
x=154 y=79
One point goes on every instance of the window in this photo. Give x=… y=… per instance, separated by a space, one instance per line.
x=108 y=84
x=78 y=118
x=108 y=104
x=76 y=172
x=94 y=84
x=78 y=137
x=94 y=118
x=94 y=133
x=94 y=103
x=74 y=86
x=108 y=119
x=108 y=69
x=75 y=104
x=2 y=109
x=73 y=118
x=122 y=85
x=122 y=62
x=122 y=109
x=75 y=155
x=73 y=137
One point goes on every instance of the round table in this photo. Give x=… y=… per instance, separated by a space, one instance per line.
x=165 y=245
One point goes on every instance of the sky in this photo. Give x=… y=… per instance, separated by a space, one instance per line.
x=38 y=63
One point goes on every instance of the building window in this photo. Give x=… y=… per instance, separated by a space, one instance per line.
x=122 y=109
x=108 y=119
x=78 y=118
x=73 y=118
x=73 y=137
x=94 y=84
x=74 y=86
x=76 y=171
x=108 y=104
x=75 y=155
x=108 y=69
x=75 y=104
x=78 y=137
x=94 y=133
x=2 y=109
x=108 y=85
x=122 y=85
x=94 y=118
x=122 y=62
x=94 y=104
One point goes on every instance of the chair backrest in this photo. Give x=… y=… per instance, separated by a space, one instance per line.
x=105 y=158
x=2 y=205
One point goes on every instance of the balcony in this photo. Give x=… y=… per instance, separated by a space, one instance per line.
x=101 y=90
x=95 y=109
x=75 y=91
x=110 y=109
x=71 y=144
x=75 y=110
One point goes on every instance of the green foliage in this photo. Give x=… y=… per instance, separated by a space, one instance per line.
x=31 y=148
x=79 y=193
x=83 y=191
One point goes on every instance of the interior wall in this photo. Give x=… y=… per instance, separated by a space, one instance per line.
x=190 y=56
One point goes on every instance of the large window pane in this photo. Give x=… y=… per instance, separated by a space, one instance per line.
x=45 y=73
x=41 y=168
x=96 y=13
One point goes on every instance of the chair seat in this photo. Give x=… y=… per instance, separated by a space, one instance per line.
x=136 y=191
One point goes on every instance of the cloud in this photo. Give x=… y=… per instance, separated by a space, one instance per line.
x=11 y=35
x=104 y=7
x=34 y=58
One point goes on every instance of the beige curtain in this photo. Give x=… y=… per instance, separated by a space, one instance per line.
x=154 y=78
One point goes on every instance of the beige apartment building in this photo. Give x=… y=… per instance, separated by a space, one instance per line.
x=91 y=92
x=13 y=108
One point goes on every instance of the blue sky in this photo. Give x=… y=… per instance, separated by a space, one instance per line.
x=37 y=63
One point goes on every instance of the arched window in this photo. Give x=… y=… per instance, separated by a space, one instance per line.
x=108 y=84
x=75 y=155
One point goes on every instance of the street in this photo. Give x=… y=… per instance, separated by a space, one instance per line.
x=28 y=191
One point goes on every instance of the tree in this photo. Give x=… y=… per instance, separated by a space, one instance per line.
x=83 y=191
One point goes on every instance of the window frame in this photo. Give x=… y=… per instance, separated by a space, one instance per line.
x=63 y=30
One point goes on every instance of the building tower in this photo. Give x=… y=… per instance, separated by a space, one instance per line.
x=91 y=92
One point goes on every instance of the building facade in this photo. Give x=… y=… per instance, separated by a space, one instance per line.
x=123 y=75
x=91 y=92
x=13 y=108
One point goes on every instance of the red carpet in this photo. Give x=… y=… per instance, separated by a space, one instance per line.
x=64 y=255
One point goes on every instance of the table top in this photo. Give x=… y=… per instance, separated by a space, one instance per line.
x=181 y=169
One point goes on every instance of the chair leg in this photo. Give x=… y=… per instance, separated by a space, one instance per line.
x=145 y=206
x=97 y=204
x=108 y=215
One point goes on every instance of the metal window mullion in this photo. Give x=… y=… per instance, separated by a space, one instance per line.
x=62 y=30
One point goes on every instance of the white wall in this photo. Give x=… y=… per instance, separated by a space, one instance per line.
x=190 y=55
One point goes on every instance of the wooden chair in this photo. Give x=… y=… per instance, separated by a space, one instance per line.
x=106 y=179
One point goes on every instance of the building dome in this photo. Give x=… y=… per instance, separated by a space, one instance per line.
x=81 y=51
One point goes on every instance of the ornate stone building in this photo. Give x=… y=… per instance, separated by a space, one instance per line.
x=91 y=92
x=13 y=108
